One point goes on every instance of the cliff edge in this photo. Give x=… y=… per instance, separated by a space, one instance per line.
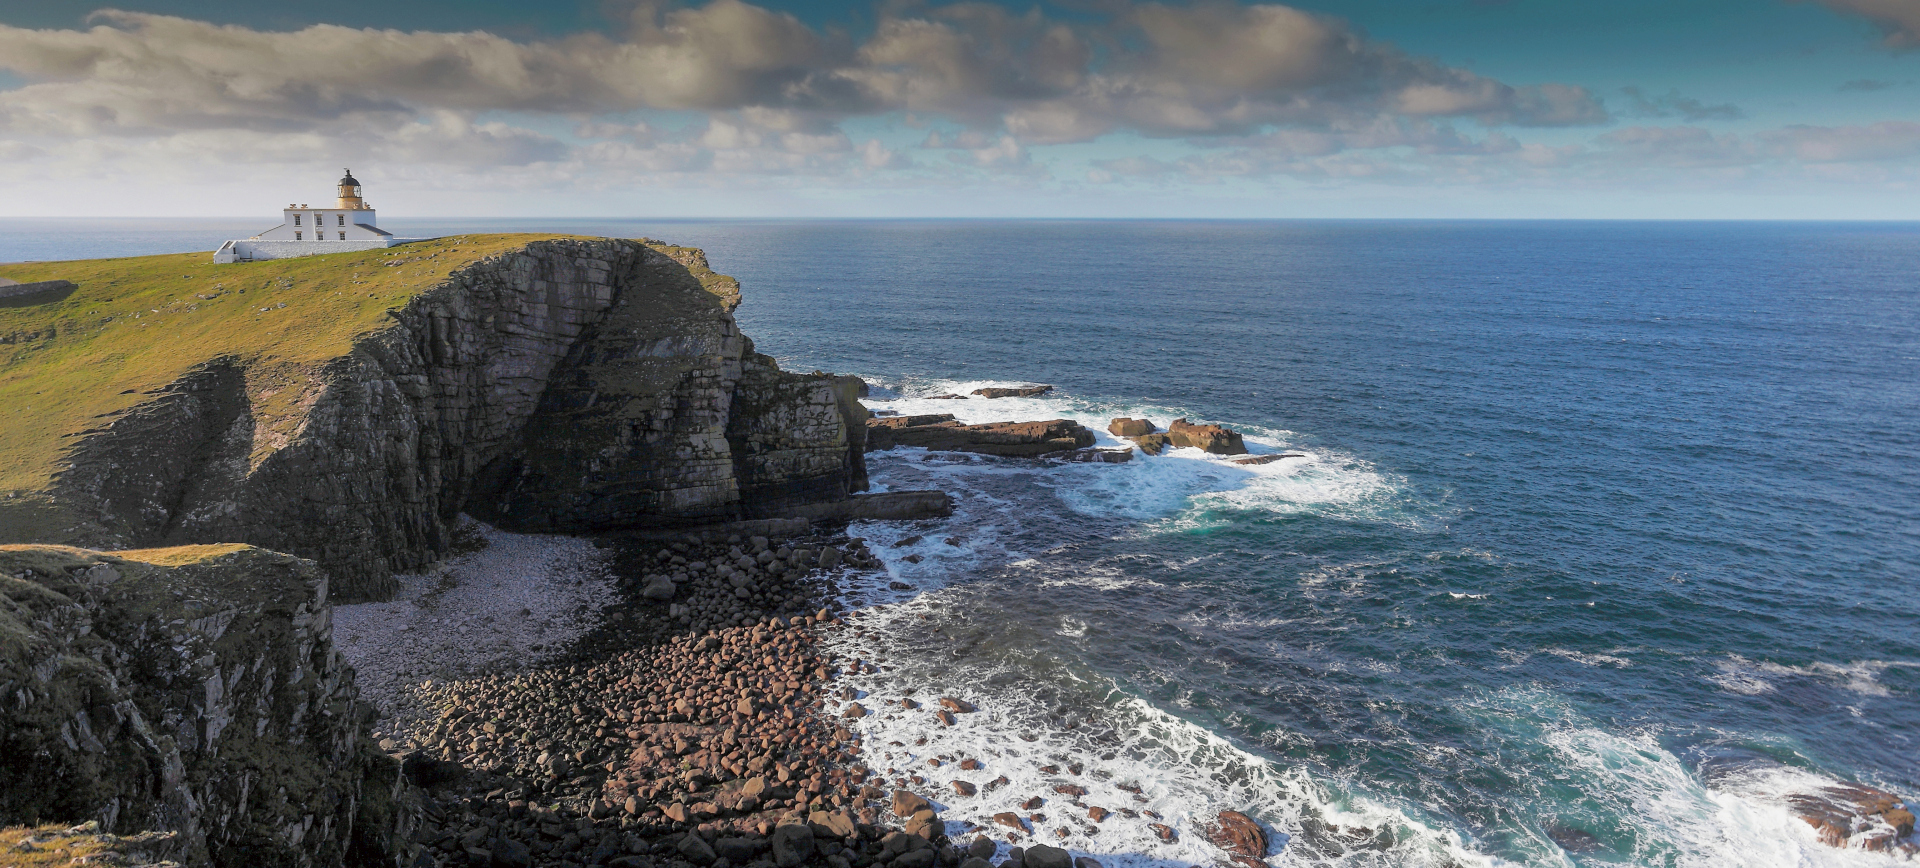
x=193 y=690
x=345 y=408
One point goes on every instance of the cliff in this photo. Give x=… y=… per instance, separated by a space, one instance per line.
x=345 y=408
x=190 y=690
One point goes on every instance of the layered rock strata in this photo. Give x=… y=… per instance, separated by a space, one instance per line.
x=570 y=385
x=194 y=694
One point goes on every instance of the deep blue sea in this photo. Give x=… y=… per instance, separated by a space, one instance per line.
x=1604 y=539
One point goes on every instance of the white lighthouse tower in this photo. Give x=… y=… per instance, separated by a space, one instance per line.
x=348 y=225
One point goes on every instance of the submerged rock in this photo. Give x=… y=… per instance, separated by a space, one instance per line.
x=1268 y=459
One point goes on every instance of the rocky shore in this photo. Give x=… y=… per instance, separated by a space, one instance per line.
x=686 y=730
x=700 y=727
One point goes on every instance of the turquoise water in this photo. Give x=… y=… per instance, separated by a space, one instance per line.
x=1606 y=537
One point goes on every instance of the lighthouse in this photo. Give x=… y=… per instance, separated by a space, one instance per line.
x=304 y=231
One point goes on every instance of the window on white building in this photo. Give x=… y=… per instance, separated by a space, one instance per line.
x=296 y=219
x=343 y=236
x=296 y=235
x=342 y=218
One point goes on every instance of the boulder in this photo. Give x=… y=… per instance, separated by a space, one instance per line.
x=1023 y=392
x=1850 y=815
x=837 y=824
x=1211 y=439
x=659 y=588
x=699 y=852
x=925 y=823
x=792 y=845
x=1124 y=427
x=1241 y=837
x=916 y=859
x=1153 y=444
x=939 y=432
x=738 y=850
x=1043 y=856
x=906 y=804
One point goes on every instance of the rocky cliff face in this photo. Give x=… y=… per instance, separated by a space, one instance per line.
x=193 y=692
x=663 y=413
x=568 y=385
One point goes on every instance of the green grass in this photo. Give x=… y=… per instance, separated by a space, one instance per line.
x=134 y=325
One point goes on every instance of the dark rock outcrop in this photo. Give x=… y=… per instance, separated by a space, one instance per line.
x=1124 y=427
x=940 y=432
x=193 y=693
x=570 y=385
x=1152 y=444
x=1212 y=439
x=1022 y=392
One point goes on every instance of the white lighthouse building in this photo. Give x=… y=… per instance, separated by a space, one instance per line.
x=348 y=225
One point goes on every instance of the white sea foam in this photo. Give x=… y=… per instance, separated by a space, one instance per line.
x=1589 y=659
x=1185 y=774
x=1737 y=674
x=1666 y=814
x=1663 y=813
x=1184 y=487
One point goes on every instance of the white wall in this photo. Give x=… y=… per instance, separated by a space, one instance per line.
x=252 y=249
x=357 y=225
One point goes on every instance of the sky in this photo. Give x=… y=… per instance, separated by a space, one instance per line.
x=1634 y=109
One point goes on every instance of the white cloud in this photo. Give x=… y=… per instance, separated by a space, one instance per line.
x=1213 y=68
x=1204 y=91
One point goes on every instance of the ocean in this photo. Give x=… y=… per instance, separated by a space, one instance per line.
x=1603 y=541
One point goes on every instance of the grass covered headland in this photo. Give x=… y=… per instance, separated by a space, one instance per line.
x=71 y=361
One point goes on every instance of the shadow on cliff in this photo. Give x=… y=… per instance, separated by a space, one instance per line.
x=563 y=386
x=663 y=415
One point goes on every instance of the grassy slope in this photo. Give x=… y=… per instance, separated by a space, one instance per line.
x=137 y=324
